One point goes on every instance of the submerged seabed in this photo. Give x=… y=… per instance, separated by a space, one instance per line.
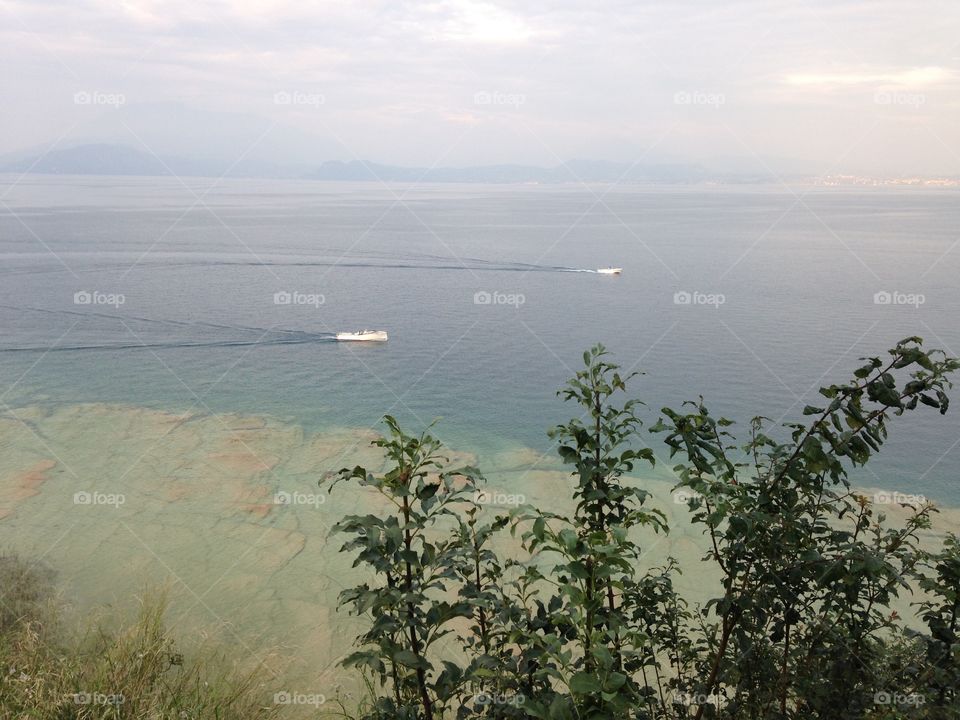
x=226 y=510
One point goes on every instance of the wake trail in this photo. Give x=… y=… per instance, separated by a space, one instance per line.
x=310 y=338
x=150 y=321
x=264 y=336
x=392 y=261
x=470 y=265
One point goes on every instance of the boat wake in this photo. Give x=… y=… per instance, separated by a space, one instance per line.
x=409 y=261
x=330 y=337
x=133 y=340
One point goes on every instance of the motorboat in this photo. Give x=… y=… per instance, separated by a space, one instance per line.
x=363 y=336
x=609 y=271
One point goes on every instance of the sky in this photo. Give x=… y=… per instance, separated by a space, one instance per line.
x=819 y=87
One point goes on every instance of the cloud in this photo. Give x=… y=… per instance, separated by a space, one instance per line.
x=481 y=22
x=400 y=77
x=909 y=78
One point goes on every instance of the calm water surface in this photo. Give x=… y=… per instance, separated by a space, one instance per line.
x=199 y=264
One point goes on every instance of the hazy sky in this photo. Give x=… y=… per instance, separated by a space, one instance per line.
x=818 y=86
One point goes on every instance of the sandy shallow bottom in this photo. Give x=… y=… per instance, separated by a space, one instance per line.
x=199 y=513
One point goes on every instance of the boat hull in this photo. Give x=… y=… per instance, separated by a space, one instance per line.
x=364 y=336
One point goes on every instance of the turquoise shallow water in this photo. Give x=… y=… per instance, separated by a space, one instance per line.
x=198 y=268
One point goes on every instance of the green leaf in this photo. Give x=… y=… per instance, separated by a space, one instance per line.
x=584 y=683
x=409 y=659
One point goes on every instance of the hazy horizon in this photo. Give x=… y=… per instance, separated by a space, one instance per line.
x=812 y=88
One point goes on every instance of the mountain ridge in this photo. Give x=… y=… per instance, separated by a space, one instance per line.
x=119 y=159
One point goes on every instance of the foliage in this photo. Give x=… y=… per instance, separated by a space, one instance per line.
x=26 y=591
x=412 y=570
x=800 y=624
x=809 y=568
x=596 y=651
x=940 y=676
x=135 y=672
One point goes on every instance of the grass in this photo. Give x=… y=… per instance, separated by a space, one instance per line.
x=135 y=671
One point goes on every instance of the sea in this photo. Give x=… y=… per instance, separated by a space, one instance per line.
x=173 y=398
x=222 y=296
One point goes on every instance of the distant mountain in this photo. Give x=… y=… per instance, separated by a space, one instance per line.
x=185 y=140
x=213 y=137
x=111 y=159
x=95 y=159
x=570 y=172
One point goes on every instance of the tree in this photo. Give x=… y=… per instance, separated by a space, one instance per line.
x=411 y=571
x=800 y=625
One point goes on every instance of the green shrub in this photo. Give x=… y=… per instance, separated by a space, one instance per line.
x=800 y=624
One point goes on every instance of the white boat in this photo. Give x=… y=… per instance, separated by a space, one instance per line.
x=364 y=336
x=609 y=271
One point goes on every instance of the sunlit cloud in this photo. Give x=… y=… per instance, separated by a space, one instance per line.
x=914 y=77
x=464 y=21
x=485 y=23
x=402 y=79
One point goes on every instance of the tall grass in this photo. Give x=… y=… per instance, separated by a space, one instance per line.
x=136 y=671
